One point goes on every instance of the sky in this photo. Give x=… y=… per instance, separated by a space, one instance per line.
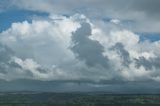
x=89 y=45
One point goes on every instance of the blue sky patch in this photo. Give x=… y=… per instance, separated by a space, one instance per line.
x=11 y=16
x=149 y=36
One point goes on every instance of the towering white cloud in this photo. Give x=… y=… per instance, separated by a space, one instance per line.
x=74 y=48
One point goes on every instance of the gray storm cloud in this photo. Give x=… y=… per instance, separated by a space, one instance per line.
x=5 y=56
x=85 y=49
x=13 y=67
x=119 y=48
x=149 y=64
x=6 y=63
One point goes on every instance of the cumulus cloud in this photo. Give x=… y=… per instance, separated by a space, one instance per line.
x=12 y=67
x=74 y=48
x=44 y=41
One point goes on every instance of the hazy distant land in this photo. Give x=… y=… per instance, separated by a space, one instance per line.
x=76 y=99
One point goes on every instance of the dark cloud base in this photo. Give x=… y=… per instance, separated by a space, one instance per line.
x=73 y=86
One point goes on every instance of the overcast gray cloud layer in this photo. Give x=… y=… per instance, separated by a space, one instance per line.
x=143 y=13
